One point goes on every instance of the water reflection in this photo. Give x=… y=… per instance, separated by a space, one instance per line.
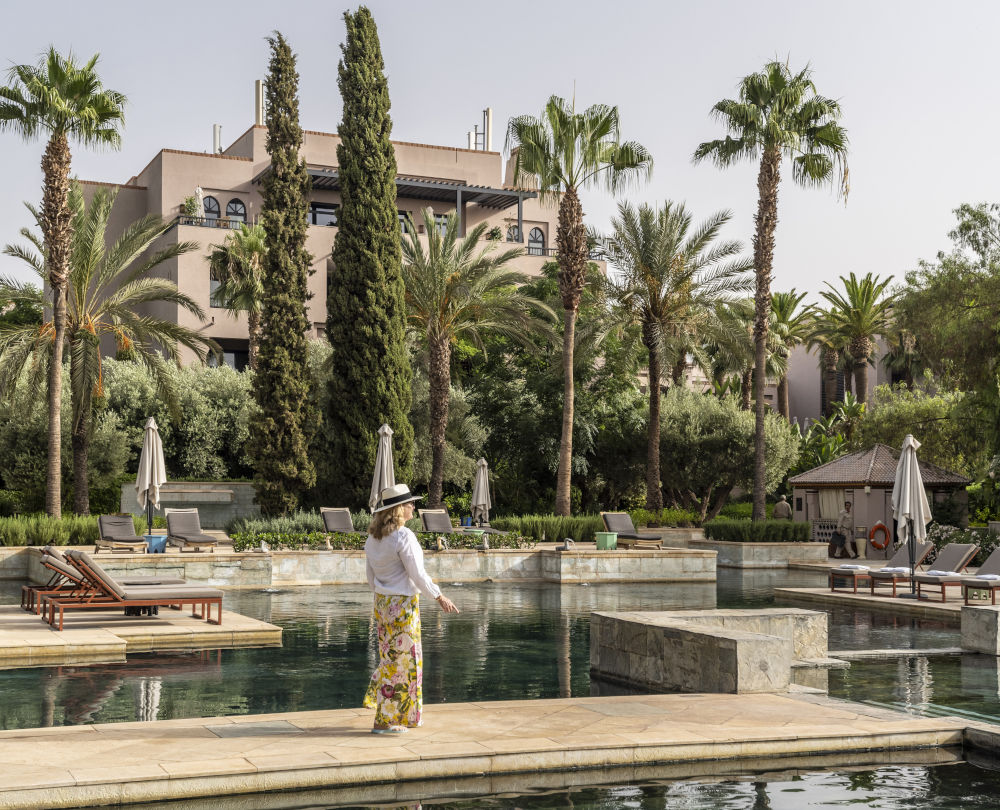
x=511 y=641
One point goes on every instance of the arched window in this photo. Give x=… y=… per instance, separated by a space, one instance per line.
x=211 y=206
x=235 y=209
x=513 y=234
x=536 y=242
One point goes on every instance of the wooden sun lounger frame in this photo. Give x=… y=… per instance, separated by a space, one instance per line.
x=60 y=582
x=945 y=585
x=901 y=580
x=99 y=596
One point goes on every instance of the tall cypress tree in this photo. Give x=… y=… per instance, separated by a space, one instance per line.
x=282 y=469
x=366 y=308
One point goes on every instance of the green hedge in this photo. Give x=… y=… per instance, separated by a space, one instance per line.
x=70 y=530
x=764 y=531
x=551 y=528
x=314 y=541
x=665 y=517
x=742 y=511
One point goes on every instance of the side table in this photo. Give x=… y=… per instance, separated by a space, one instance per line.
x=156 y=543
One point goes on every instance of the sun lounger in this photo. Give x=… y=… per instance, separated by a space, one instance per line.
x=900 y=561
x=184 y=530
x=338 y=520
x=104 y=592
x=117 y=532
x=68 y=579
x=983 y=579
x=439 y=522
x=951 y=561
x=628 y=537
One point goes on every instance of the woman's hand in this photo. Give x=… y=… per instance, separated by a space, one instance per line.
x=447 y=605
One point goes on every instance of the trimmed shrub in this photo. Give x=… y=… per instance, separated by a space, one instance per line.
x=551 y=528
x=10 y=502
x=665 y=517
x=763 y=531
x=742 y=511
x=301 y=522
x=314 y=541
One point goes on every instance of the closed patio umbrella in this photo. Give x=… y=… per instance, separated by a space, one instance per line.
x=152 y=472
x=385 y=475
x=909 y=502
x=481 y=503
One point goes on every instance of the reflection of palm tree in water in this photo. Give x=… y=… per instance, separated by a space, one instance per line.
x=761 y=801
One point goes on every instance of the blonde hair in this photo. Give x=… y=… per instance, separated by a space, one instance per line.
x=387 y=521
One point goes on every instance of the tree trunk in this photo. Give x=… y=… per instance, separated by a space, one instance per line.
x=763 y=249
x=571 y=244
x=654 y=495
x=849 y=370
x=745 y=387
x=439 y=373
x=677 y=372
x=253 y=329
x=861 y=348
x=56 y=231
x=81 y=456
x=783 y=396
x=830 y=358
x=566 y=442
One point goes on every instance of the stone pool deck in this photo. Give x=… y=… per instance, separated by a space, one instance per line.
x=950 y=611
x=124 y=763
x=101 y=636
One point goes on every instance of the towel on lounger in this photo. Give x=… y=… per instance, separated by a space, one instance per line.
x=935 y=573
x=896 y=570
x=987 y=576
x=855 y=567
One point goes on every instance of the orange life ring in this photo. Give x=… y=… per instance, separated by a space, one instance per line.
x=879 y=527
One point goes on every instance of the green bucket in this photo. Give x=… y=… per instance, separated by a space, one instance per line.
x=606 y=541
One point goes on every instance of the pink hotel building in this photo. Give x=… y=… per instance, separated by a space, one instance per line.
x=478 y=184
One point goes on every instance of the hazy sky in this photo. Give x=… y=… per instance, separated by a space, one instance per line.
x=916 y=80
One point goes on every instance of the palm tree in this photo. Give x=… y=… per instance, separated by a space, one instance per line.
x=791 y=328
x=671 y=280
x=860 y=314
x=457 y=290
x=561 y=153
x=66 y=101
x=238 y=266
x=824 y=337
x=903 y=356
x=106 y=286
x=778 y=115
x=730 y=352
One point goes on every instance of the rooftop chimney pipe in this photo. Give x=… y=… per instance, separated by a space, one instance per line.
x=258 y=103
x=216 y=138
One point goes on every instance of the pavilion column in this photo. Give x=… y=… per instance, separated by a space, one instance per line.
x=459 y=212
x=520 y=218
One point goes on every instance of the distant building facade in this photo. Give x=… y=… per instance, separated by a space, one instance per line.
x=476 y=183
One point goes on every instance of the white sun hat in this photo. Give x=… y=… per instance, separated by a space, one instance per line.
x=394 y=496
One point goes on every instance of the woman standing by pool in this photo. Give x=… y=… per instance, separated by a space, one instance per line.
x=395 y=568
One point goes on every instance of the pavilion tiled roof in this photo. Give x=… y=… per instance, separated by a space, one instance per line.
x=875 y=467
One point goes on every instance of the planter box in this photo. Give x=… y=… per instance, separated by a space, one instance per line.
x=762 y=555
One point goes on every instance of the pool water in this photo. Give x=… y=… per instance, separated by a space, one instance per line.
x=511 y=641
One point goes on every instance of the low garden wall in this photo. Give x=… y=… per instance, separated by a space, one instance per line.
x=761 y=555
x=217 y=502
x=290 y=568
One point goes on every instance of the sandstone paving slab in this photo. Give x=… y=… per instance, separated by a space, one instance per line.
x=213 y=756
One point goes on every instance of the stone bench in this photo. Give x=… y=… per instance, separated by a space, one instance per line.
x=728 y=651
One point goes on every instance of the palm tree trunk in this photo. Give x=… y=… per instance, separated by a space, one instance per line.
x=861 y=379
x=677 y=372
x=81 y=456
x=571 y=242
x=829 y=379
x=56 y=230
x=763 y=255
x=745 y=387
x=566 y=441
x=253 y=330
x=654 y=495
x=783 y=396
x=439 y=374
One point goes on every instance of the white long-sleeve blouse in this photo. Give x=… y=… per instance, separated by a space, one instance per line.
x=395 y=565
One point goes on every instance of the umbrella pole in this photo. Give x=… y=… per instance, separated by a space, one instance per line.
x=149 y=516
x=911 y=542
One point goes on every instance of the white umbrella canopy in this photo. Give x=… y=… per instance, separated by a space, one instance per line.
x=385 y=475
x=910 y=508
x=152 y=471
x=481 y=503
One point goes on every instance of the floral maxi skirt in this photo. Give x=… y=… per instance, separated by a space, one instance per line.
x=395 y=687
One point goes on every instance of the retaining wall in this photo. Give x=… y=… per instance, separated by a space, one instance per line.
x=287 y=568
x=761 y=555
